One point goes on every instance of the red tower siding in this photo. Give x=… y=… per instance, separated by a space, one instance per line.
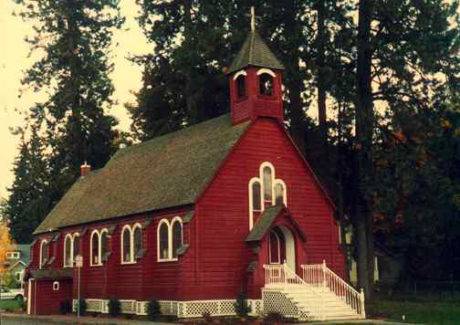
x=254 y=104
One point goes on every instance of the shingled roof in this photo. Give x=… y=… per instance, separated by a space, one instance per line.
x=167 y=171
x=255 y=53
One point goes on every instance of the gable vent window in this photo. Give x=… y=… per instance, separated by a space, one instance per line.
x=170 y=239
x=265 y=190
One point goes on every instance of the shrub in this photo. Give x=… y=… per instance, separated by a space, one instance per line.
x=114 y=307
x=65 y=307
x=153 y=309
x=242 y=307
x=83 y=306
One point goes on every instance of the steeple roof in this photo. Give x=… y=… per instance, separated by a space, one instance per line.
x=255 y=53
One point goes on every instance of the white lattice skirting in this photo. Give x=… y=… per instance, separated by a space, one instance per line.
x=181 y=309
x=276 y=301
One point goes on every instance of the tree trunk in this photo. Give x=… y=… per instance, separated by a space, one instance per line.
x=364 y=131
x=321 y=82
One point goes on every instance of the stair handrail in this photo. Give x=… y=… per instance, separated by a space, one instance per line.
x=321 y=275
x=286 y=277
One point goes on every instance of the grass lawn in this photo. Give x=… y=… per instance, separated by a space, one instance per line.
x=423 y=311
x=10 y=305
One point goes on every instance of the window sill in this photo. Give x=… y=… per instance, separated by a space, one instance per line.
x=168 y=260
x=96 y=265
x=128 y=263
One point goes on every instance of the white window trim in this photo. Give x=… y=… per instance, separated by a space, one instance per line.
x=98 y=234
x=240 y=73
x=101 y=232
x=133 y=230
x=131 y=259
x=259 y=179
x=173 y=221
x=251 y=201
x=43 y=242
x=68 y=237
x=280 y=181
x=55 y=286
x=267 y=71
x=169 y=226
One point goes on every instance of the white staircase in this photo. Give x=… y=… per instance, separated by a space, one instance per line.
x=319 y=295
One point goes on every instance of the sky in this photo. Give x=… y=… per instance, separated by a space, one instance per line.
x=15 y=59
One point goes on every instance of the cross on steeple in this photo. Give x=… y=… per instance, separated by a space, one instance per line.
x=253 y=19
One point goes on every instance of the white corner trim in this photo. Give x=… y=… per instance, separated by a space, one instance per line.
x=267 y=71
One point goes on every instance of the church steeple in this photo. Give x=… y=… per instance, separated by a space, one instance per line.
x=255 y=78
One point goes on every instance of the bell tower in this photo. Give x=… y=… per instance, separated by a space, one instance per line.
x=255 y=80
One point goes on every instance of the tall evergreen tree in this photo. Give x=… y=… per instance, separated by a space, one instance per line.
x=73 y=38
x=28 y=202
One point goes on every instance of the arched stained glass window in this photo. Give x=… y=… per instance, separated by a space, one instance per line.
x=256 y=204
x=163 y=233
x=68 y=251
x=44 y=252
x=126 y=245
x=137 y=241
x=76 y=246
x=279 y=194
x=95 y=260
x=267 y=179
x=104 y=244
x=177 y=237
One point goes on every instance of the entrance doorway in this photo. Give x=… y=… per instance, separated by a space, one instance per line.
x=281 y=247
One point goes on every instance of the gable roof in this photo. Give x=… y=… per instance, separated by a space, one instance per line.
x=255 y=53
x=167 y=171
x=266 y=220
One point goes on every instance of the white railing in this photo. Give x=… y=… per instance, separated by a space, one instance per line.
x=319 y=275
x=281 y=276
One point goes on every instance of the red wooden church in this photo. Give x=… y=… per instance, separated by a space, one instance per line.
x=195 y=217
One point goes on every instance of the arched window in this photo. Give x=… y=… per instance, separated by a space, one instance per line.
x=280 y=193
x=137 y=241
x=266 y=84
x=163 y=241
x=256 y=199
x=265 y=190
x=95 y=259
x=44 y=253
x=76 y=246
x=241 y=86
x=267 y=182
x=126 y=248
x=176 y=236
x=68 y=251
x=104 y=244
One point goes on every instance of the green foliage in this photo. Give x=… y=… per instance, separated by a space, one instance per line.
x=65 y=307
x=83 y=306
x=114 y=307
x=242 y=308
x=153 y=309
x=71 y=125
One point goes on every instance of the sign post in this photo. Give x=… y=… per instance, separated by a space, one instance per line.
x=78 y=265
